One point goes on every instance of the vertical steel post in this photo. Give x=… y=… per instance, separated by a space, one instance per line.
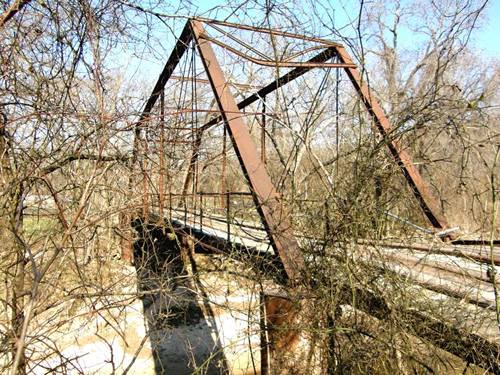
x=337 y=121
x=145 y=185
x=223 y=182
x=185 y=209
x=228 y=217
x=161 y=178
x=264 y=339
x=193 y=160
x=201 y=211
x=170 y=205
x=263 y=132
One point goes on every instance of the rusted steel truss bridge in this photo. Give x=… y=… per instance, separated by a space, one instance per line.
x=210 y=218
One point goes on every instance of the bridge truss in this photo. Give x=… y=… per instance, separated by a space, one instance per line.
x=266 y=198
x=187 y=124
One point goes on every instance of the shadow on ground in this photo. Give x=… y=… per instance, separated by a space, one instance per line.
x=183 y=335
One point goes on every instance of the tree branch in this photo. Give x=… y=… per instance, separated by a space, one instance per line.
x=16 y=6
x=71 y=158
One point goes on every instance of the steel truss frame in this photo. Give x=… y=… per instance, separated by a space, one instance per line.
x=266 y=198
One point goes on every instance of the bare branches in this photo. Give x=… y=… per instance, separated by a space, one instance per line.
x=70 y=158
x=81 y=169
x=14 y=8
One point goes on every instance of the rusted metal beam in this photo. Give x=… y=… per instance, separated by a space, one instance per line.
x=325 y=55
x=420 y=189
x=223 y=181
x=161 y=177
x=281 y=334
x=192 y=162
x=481 y=254
x=180 y=48
x=263 y=132
x=427 y=201
x=267 y=200
x=206 y=81
x=321 y=57
x=279 y=63
x=266 y=31
x=281 y=81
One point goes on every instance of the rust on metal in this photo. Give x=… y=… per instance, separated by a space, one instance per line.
x=281 y=81
x=279 y=313
x=266 y=198
x=192 y=162
x=176 y=55
x=207 y=82
x=279 y=63
x=281 y=335
x=263 y=132
x=145 y=180
x=223 y=183
x=268 y=201
x=266 y=31
x=161 y=177
x=426 y=200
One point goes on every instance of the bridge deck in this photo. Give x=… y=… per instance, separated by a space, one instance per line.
x=454 y=279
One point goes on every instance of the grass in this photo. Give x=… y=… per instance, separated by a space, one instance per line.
x=39 y=225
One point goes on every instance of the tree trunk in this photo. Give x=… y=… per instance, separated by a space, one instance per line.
x=11 y=223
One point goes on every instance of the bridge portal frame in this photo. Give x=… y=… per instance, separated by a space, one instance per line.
x=267 y=199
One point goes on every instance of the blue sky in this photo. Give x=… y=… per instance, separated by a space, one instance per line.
x=485 y=39
x=488 y=37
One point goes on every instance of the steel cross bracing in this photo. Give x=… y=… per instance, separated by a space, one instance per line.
x=267 y=200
